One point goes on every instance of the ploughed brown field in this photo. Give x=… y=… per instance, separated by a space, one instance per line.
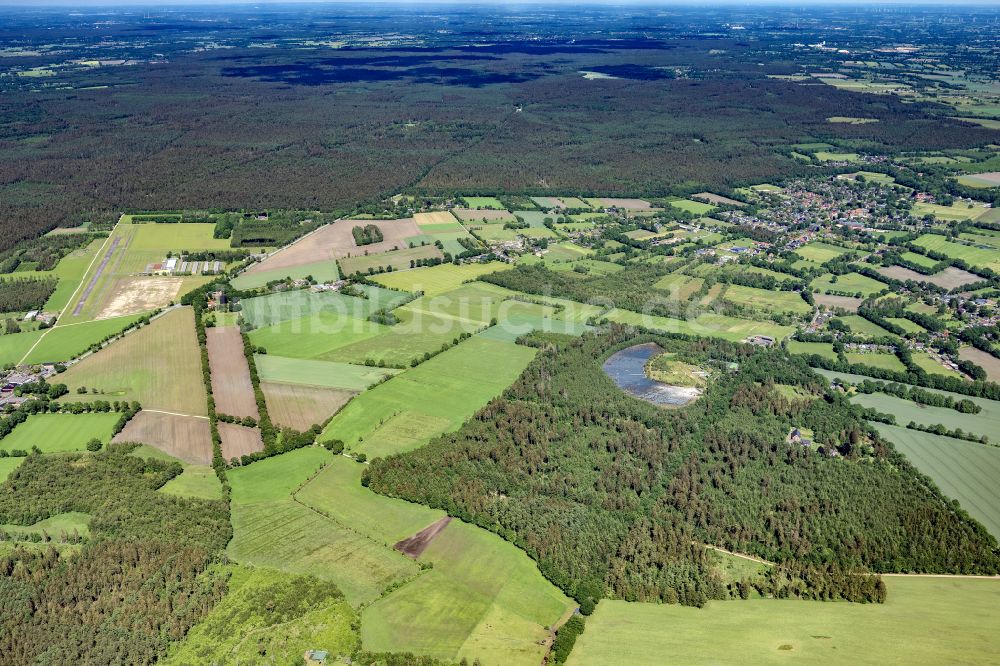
x=485 y=215
x=231 y=386
x=239 y=440
x=335 y=241
x=187 y=438
x=301 y=407
x=415 y=545
x=949 y=278
x=848 y=303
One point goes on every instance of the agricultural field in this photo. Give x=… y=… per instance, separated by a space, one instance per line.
x=315 y=336
x=434 y=397
x=300 y=407
x=851 y=283
x=270 y=529
x=321 y=271
x=824 y=349
x=60 y=343
x=239 y=440
x=197 y=481
x=231 y=386
x=848 y=303
x=975 y=256
x=187 y=438
x=861 y=326
x=322 y=374
x=966 y=471
x=708 y=324
x=159 y=365
x=955 y=212
x=820 y=252
x=398 y=260
x=764 y=299
x=984 y=180
x=484 y=202
x=297 y=304
x=883 y=360
x=988 y=362
x=986 y=422
x=906 y=629
x=949 y=278
x=930 y=364
x=58 y=433
x=689 y=206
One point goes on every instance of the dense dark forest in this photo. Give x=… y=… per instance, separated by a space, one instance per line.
x=296 y=127
x=134 y=584
x=611 y=495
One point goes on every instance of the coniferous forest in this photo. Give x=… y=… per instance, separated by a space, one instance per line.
x=610 y=494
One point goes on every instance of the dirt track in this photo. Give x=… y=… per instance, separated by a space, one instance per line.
x=415 y=545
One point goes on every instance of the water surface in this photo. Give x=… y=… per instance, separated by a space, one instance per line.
x=628 y=370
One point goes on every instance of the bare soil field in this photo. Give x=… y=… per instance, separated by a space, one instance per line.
x=485 y=215
x=434 y=217
x=716 y=199
x=132 y=295
x=415 y=545
x=627 y=204
x=335 y=241
x=239 y=440
x=988 y=362
x=231 y=386
x=848 y=303
x=987 y=179
x=185 y=437
x=300 y=407
x=949 y=278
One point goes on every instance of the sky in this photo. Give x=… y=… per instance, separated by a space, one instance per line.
x=743 y=3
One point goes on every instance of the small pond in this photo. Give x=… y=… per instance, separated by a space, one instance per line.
x=628 y=370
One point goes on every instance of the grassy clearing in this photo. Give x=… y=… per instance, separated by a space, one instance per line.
x=852 y=283
x=484 y=598
x=824 y=349
x=54 y=526
x=820 y=252
x=7 y=467
x=327 y=374
x=268 y=617
x=57 y=433
x=965 y=471
x=975 y=256
x=484 y=202
x=883 y=360
x=696 y=207
x=271 y=529
x=925 y=620
x=766 y=299
x=986 y=422
x=159 y=365
x=14 y=346
x=197 y=481
x=436 y=280
x=434 y=397
x=861 y=326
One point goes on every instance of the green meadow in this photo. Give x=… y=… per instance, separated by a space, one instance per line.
x=986 y=422
x=7 y=467
x=63 y=343
x=57 y=433
x=907 y=629
x=851 y=283
x=966 y=471
x=436 y=280
x=767 y=299
x=987 y=258
x=434 y=397
x=820 y=252
x=327 y=374
x=271 y=529
x=824 y=349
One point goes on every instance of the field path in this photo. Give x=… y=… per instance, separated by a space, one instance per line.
x=554 y=629
x=160 y=411
x=743 y=556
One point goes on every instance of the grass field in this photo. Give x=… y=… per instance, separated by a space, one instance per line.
x=56 y=433
x=436 y=396
x=315 y=336
x=929 y=365
x=321 y=271
x=861 y=326
x=300 y=407
x=14 y=346
x=7 y=467
x=268 y=617
x=483 y=599
x=767 y=299
x=852 y=283
x=197 y=481
x=824 y=349
x=264 y=311
x=696 y=207
x=883 y=360
x=820 y=252
x=924 y=620
x=70 y=270
x=484 y=202
x=986 y=422
x=679 y=285
x=963 y=470
x=708 y=324
x=955 y=212
x=159 y=365
x=327 y=374
x=63 y=343
x=271 y=529
x=399 y=259
x=975 y=256
x=55 y=526
x=910 y=327
x=436 y=280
